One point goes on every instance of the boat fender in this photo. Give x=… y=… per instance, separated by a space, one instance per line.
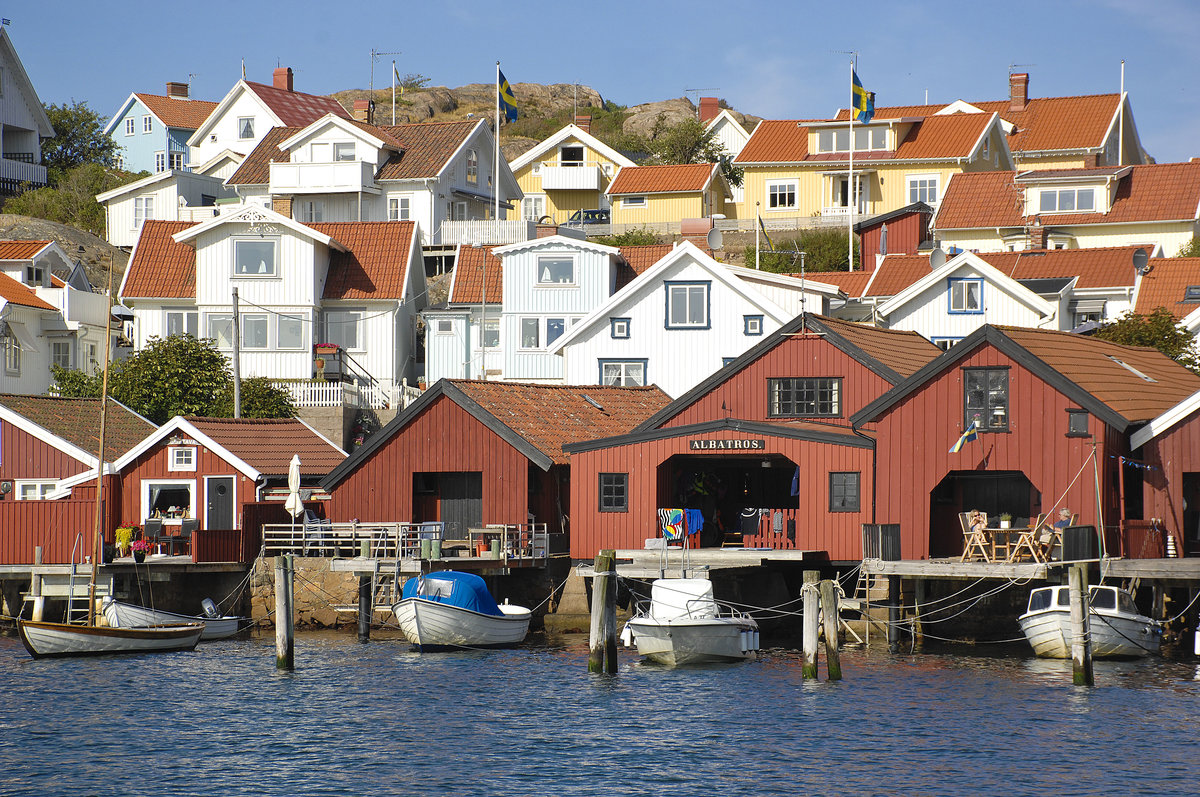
x=210 y=608
x=627 y=636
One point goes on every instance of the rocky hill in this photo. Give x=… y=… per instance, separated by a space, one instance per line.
x=79 y=245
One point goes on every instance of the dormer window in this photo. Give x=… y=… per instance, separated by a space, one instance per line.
x=33 y=275
x=865 y=139
x=1191 y=294
x=343 y=151
x=1059 y=200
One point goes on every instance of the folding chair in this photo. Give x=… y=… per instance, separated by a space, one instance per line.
x=972 y=540
x=1027 y=540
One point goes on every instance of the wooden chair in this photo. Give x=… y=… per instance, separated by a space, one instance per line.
x=972 y=540
x=1027 y=541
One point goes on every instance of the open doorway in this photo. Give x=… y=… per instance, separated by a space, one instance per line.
x=455 y=498
x=726 y=489
x=992 y=492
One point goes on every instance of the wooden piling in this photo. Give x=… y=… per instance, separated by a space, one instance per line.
x=1081 y=641
x=829 y=607
x=365 y=608
x=285 y=644
x=893 y=628
x=602 y=642
x=918 y=627
x=811 y=621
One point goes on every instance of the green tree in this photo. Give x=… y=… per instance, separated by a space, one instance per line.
x=689 y=142
x=260 y=399
x=1190 y=249
x=73 y=383
x=824 y=250
x=1160 y=330
x=73 y=201
x=78 y=139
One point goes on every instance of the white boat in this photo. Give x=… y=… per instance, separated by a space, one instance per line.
x=1118 y=631
x=129 y=615
x=685 y=625
x=44 y=640
x=448 y=609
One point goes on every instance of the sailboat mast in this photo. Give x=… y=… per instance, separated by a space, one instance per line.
x=97 y=541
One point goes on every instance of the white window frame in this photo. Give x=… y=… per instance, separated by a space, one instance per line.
x=252 y=325
x=59 y=348
x=272 y=267
x=147 y=123
x=215 y=324
x=916 y=184
x=188 y=320
x=12 y=356
x=242 y=122
x=472 y=164
x=399 y=208
x=782 y=190
x=623 y=375
x=41 y=488
x=633 y=202
x=1059 y=193
x=188 y=483
x=143 y=208
x=176 y=160
x=181 y=458
x=343 y=151
x=310 y=211
x=347 y=319
x=619 y=328
x=282 y=340
x=130 y=126
x=544 y=277
x=688 y=288
x=160 y=161
x=533 y=207
x=34 y=276
x=957 y=298
x=523 y=326
x=443 y=326
x=491 y=333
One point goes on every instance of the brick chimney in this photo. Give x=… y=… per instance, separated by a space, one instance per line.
x=546 y=230
x=1037 y=235
x=584 y=122
x=282 y=205
x=177 y=89
x=364 y=111
x=1018 y=91
x=709 y=108
x=282 y=78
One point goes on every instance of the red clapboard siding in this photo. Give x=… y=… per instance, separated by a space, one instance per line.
x=442 y=438
x=152 y=465
x=54 y=525
x=25 y=456
x=1169 y=456
x=905 y=234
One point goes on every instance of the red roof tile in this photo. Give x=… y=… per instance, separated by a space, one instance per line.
x=903 y=352
x=77 y=420
x=472 y=264
x=551 y=416
x=662 y=179
x=267 y=445
x=161 y=268
x=852 y=283
x=21 y=250
x=175 y=112
x=295 y=108
x=942 y=137
x=377 y=262
x=896 y=273
x=1165 y=284
x=14 y=292
x=1104 y=267
x=776 y=141
x=637 y=259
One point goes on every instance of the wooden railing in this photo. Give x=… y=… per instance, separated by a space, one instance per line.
x=53 y=525
x=225 y=545
x=401 y=540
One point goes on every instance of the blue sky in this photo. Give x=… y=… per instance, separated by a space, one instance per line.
x=771 y=59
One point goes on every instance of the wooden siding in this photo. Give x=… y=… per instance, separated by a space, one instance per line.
x=904 y=235
x=650 y=488
x=26 y=456
x=442 y=438
x=1170 y=456
x=660 y=208
x=914 y=438
x=229 y=545
x=54 y=525
x=152 y=466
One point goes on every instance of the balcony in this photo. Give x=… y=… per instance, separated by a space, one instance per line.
x=584 y=176
x=17 y=168
x=323 y=178
x=486 y=231
x=320 y=393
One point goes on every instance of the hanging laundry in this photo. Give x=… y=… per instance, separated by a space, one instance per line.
x=796 y=481
x=695 y=520
x=672 y=523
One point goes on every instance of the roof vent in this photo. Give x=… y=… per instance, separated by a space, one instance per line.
x=593 y=402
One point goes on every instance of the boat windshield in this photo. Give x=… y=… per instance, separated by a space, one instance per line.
x=1103 y=598
x=1040 y=599
x=1125 y=603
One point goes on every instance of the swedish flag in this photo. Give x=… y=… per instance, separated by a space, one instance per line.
x=508 y=103
x=971 y=434
x=862 y=102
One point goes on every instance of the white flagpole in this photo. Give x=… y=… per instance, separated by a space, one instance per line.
x=850 y=185
x=496 y=161
x=393 y=92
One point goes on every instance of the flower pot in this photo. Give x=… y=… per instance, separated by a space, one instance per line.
x=139 y=556
x=1004 y=524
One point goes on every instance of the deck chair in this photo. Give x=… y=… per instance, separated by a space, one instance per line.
x=318 y=534
x=152 y=531
x=973 y=541
x=184 y=540
x=1027 y=541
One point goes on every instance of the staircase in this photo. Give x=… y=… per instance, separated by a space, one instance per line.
x=870 y=601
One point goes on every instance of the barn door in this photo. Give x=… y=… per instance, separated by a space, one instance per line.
x=461 y=502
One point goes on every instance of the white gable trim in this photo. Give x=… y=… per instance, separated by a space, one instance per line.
x=783 y=280
x=571 y=131
x=989 y=272
x=340 y=122
x=119 y=116
x=239 y=88
x=1165 y=422
x=251 y=213
x=137 y=185
x=10 y=416
x=555 y=241
x=25 y=85
x=236 y=157
x=181 y=424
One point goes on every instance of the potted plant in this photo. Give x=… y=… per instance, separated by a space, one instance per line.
x=326 y=348
x=124 y=536
x=140 y=548
x=1005 y=520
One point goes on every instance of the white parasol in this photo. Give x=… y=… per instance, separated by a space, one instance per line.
x=294 y=505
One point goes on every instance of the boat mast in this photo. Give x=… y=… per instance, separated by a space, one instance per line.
x=97 y=541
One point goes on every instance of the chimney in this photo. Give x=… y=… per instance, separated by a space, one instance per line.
x=282 y=205
x=1037 y=235
x=709 y=108
x=546 y=230
x=177 y=90
x=282 y=78
x=1018 y=91
x=584 y=122
x=364 y=111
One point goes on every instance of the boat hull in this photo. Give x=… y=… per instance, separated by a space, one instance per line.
x=695 y=641
x=1113 y=636
x=44 y=640
x=429 y=624
x=129 y=615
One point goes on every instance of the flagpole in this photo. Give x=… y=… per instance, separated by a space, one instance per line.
x=496 y=161
x=850 y=184
x=393 y=92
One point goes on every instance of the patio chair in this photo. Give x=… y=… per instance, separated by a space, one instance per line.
x=152 y=531
x=184 y=540
x=1028 y=542
x=973 y=541
x=317 y=534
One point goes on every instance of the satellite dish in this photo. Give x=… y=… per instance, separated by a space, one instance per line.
x=937 y=258
x=715 y=239
x=1140 y=260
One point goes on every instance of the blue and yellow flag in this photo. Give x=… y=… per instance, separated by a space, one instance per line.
x=862 y=102
x=972 y=433
x=508 y=103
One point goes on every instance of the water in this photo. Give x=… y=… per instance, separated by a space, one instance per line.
x=379 y=719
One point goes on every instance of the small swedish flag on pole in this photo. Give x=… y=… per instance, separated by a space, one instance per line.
x=507 y=102
x=972 y=433
x=862 y=102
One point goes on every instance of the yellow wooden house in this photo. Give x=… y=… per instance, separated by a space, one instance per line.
x=568 y=172
x=658 y=198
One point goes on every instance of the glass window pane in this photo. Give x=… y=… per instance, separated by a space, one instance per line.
x=556 y=269
x=878 y=138
x=254 y=257
x=220 y=329
x=1049 y=201
x=678 y=311
x=697 y=307
x=290 y=334
x=343 y=151
x=825 y=141
x=341 y=328
x=862 y=138
x=841 y=140
x=1066 y=200
x=530 y=333
x=1085 y=199
x=491 y=334
x=554 y=329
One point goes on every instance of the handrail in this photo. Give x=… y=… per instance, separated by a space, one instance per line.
x=71 y=582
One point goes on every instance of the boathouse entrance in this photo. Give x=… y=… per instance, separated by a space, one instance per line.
x=727 y=489
x=993 y=492
x=455 y=498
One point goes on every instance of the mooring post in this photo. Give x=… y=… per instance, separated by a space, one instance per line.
x=918 y=627
x=285 y=651
x=893 y=629
x=1081 y=641
x=602 y=643
x=829 y=607
x=812 y=622
x=365 y=608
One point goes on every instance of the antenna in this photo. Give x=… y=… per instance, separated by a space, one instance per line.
x=375 y=55
x=852 y=53
x=1013 y=67
x=697 y=93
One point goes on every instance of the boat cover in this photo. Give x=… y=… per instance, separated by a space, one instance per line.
x=682 y=598
x=464 y=590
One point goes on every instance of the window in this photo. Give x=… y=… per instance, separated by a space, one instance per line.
x=254 y=331
x=985 y=398
x=1067 y=199
x=634 y=201
x=1084 y=318
x=170 y=499
x=556 y=270
x=687 y=305
x=129 y=125
x=781 y=196
x=34 y=275
x=181 y=458
x=491 y=333
x=533 y=207
x=182 y=322
x=623 y=373
x=619 y=327
x=1077 y=423
x=531 y=333
x=143 y=208
x=986 y=151
x=160 y=161
x=147 y=124
x=554 y=329
x=289 y=332
x=727 y=360
x=868 y=138
x=966 y=295
x=91 y=362
x=12 y=356
x=60 y=353
x=176 y=160
x=944 y=343
x=443 y=326
x=570 y=156
x=33 y=490
x=923 y=188
x=752 y=324
x=398 y=208
x=343 y=151
x=253 y=257
x=844 y=492
x=341 y=327
x=614 y=492
x=220 y=329
x=245 y=127
x=472 y=167
x=805 y=397
x=310 y=210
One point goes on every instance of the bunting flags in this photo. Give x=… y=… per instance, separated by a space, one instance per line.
x=968 y=436
x=508 y=103
x=862 y=102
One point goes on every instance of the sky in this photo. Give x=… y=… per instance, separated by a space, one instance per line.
x=777 y=60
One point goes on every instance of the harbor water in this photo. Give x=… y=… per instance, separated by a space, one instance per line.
x=378 y=718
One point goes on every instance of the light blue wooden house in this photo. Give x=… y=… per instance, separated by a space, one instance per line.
x=152 y=131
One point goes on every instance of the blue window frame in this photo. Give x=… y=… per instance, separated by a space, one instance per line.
x=965 y=296
x=619 y=328
x=688 y=305
x=752 y=324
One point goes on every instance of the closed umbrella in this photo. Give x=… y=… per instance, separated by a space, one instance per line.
x=294 y=505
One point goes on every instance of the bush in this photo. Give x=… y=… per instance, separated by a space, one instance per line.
x=638 y=237
x=824 y=250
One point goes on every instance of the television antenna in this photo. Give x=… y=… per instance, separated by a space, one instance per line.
x=698 y=92
x=1013 y=67
x=375 y=56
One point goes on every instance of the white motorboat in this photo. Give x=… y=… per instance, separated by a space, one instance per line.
x=44 y=640
x=449 y=609
x=129 y=615
x=1118 y=631
x=685 y=625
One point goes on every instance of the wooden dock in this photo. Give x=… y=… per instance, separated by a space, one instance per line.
x=642 y=563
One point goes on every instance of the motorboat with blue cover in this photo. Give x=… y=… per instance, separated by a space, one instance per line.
x=449 y=609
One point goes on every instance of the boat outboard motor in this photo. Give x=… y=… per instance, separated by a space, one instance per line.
x=210 y=608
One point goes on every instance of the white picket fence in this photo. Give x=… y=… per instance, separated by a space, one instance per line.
x=319 y=393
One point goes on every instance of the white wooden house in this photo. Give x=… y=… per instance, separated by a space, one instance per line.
x=173 y=195
x=23 y=123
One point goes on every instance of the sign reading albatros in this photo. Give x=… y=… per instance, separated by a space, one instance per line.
x=727 y=445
